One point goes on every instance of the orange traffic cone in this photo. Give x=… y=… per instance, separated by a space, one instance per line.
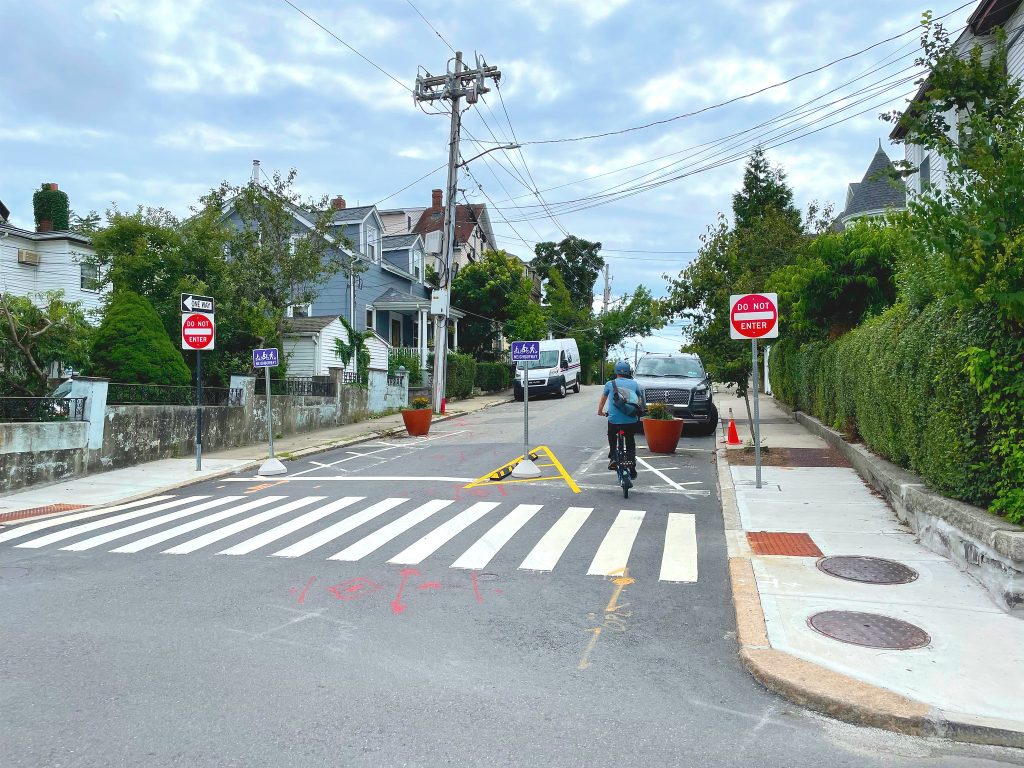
x=734 y=438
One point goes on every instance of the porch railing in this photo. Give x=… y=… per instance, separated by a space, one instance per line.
x=42 y=409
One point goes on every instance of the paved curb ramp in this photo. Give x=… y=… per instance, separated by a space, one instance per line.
x=815 y=686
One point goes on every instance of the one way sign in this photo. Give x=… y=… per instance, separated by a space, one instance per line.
x=190 y=302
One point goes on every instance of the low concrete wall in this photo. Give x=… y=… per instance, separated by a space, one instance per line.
x=134 y=434
x=384 y=396
x=987 y=547
x=44 y=452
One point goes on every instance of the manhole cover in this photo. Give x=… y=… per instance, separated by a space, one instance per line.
x=871 y=630
x=869 y=570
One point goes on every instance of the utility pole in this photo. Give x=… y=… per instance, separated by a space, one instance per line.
x=452 y=86
x=604 y=311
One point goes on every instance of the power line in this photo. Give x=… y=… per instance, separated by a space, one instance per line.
x=357 y=53
x=425 y=19
x=744 y=96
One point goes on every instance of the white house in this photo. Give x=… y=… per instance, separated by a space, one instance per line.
x=1008 y=14
x=32 y=263
x=309 y=345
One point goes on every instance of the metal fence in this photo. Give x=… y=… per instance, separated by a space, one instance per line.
x=159 y=394
x=299 y=386
x=42 y=409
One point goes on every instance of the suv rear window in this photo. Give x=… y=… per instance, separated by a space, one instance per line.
x=687 y=367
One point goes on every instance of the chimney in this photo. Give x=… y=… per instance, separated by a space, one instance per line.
x=338 y=203
x=436 y=197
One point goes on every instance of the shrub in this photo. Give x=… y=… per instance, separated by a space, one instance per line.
x=493 y=377
x=658 y=411
x=411 y=361
x=461 y=375
x=131 y=345
x=898 y=382
x=51 y=204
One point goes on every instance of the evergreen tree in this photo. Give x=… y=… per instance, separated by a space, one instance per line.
x=131 y=345
x=764 y=189
x=579 y=262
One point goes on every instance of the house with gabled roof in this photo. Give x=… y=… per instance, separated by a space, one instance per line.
x=880 y=190
x=473 y=232
x=929 y=169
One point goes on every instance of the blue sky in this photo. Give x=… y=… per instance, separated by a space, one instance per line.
x=155 y=102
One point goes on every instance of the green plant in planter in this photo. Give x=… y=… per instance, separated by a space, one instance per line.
x=420 y=403
x=659 y=412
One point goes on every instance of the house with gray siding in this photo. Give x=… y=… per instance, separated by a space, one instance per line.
x=880 y=190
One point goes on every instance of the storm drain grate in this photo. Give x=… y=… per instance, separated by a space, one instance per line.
x=783 y=544
x=871 y=630
x=6 y=517
x=868 y=570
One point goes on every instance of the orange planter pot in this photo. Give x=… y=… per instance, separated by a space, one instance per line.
x=662 y=435
x=417 y=421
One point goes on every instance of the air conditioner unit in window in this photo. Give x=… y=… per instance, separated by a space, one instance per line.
x=28 y=257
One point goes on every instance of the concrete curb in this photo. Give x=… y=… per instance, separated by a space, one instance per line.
x=821 y=689
x=255 y=463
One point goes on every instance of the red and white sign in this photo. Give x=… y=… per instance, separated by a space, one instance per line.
x=197 y=331
x=754 y=316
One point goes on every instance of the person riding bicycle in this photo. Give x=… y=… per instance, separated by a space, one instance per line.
x=619 y=418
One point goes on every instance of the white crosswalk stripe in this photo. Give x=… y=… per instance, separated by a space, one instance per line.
x=238 y=526
x=382 y=536
x=26 y=528
x=481 y=553
x=549 y=541
x=679 y=557
x=612 y=556
x=106 y=522
x=251 y=545
x=545 y=556
x=331 y=533
x=437 y=538
x=191 y=525
x=145 y=525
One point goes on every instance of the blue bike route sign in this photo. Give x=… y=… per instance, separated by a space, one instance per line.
x=525 y=351
x=264 y=358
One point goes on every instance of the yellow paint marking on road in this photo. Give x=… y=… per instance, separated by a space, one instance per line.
x=501 y=474
x=585 y=658
x=614 y=616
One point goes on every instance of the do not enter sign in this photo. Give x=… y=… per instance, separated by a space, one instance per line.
x=197 y=331
x=754 y=316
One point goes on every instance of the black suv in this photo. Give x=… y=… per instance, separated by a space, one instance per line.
x=680 y=382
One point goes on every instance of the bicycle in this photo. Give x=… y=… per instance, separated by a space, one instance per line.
x=622 y=464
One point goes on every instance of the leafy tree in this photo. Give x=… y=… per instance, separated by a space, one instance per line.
x=635 y=314
x=131 y=345
x=840 y=279
x=579 y=263
x=970 y=233
x=274 y=260
x=31 y=338
x=496 y=294
x=85 y=225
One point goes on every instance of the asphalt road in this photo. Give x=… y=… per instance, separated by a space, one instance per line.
x=373 y=610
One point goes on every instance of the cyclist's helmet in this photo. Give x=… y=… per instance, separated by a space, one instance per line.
x=622 y=368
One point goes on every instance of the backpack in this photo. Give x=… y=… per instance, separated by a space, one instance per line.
x=626 y=400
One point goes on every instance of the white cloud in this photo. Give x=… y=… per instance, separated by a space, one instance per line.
x=534 y=81
x=711 y=81
x=207 y=138
x=547 y=12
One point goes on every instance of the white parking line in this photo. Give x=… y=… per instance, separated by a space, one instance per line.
x=661 y=474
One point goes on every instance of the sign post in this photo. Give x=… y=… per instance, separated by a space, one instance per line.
x=267 y=359
x=526 y=352
x=198 y=332
x=754 y=316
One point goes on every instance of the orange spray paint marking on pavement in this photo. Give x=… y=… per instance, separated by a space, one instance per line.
x=614 y=616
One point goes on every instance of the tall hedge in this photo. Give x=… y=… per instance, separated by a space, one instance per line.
x=898 y=383
x=461 y=375
x=131 y=346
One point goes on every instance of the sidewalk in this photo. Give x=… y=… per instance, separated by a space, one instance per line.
x=961 y=673
x=123 y=485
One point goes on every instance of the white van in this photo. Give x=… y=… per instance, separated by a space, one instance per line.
x=557 y=371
